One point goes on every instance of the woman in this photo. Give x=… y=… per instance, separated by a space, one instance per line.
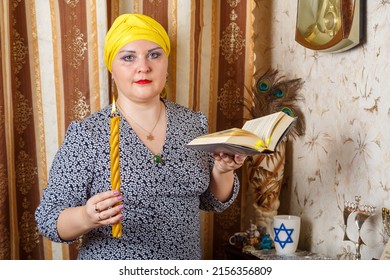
x=163 y=184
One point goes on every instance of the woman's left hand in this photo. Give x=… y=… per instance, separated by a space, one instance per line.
x=222 y=177
x=225 y=163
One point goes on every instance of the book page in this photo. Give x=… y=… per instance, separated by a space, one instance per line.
x=233 y=135
x=230 y=132
x=280 y=129
x=263 y=127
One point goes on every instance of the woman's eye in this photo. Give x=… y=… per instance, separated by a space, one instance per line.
x=154 y=55
x=128 y=58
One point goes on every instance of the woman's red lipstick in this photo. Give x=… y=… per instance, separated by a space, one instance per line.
x=143 y=82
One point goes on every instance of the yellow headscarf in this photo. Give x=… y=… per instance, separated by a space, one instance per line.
x=131 y=27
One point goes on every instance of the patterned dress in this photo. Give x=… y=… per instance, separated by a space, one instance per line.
x=162 y=202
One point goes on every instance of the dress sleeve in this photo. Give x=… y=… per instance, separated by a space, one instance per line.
x=69 y=180
x=208 y=201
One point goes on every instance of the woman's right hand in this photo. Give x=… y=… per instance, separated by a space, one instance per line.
x=100 y=210
x=104 y=208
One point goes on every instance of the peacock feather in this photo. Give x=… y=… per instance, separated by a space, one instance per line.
x=272 y=93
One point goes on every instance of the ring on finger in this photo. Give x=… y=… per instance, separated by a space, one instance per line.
x=96 y=208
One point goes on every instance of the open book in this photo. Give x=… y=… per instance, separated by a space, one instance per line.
x=257 y=136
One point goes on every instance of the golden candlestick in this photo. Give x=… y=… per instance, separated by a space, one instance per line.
x=114 y=160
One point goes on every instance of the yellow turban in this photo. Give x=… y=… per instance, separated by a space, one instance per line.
x=131 y=27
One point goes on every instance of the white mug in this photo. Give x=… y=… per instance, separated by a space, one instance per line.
x=285 y=233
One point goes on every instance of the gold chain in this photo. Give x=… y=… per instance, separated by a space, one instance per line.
x=150 y=135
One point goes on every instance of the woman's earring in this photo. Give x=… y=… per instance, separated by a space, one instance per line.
x=164 y=92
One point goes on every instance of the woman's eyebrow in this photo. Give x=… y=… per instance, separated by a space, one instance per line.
x=131 y=51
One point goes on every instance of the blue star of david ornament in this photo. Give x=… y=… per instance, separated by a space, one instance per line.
x=288 y=239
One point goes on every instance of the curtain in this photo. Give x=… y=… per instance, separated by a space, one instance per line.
x=52 y=72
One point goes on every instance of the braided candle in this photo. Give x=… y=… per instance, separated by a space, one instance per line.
x=114 y=160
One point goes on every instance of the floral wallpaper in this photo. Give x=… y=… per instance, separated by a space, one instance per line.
x=345 y=151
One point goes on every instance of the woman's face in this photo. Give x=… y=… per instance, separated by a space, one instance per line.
x=139 y=70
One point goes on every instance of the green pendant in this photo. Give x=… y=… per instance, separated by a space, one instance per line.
x=158 y=159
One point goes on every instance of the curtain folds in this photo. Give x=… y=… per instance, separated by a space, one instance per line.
x=52 y=72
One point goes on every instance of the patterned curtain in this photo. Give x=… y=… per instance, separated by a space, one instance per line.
x=52 y=72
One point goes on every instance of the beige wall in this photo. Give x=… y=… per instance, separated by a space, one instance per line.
x=346 y=149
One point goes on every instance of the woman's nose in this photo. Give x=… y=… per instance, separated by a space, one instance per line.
x=143 y=65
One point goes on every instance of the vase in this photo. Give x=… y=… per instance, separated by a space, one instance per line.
x=265 y=175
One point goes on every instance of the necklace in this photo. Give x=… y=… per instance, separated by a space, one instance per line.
x=150 y=135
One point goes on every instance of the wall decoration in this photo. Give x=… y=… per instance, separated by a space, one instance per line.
x=329 y=25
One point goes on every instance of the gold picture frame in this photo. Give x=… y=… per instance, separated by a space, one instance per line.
x=329 y=25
